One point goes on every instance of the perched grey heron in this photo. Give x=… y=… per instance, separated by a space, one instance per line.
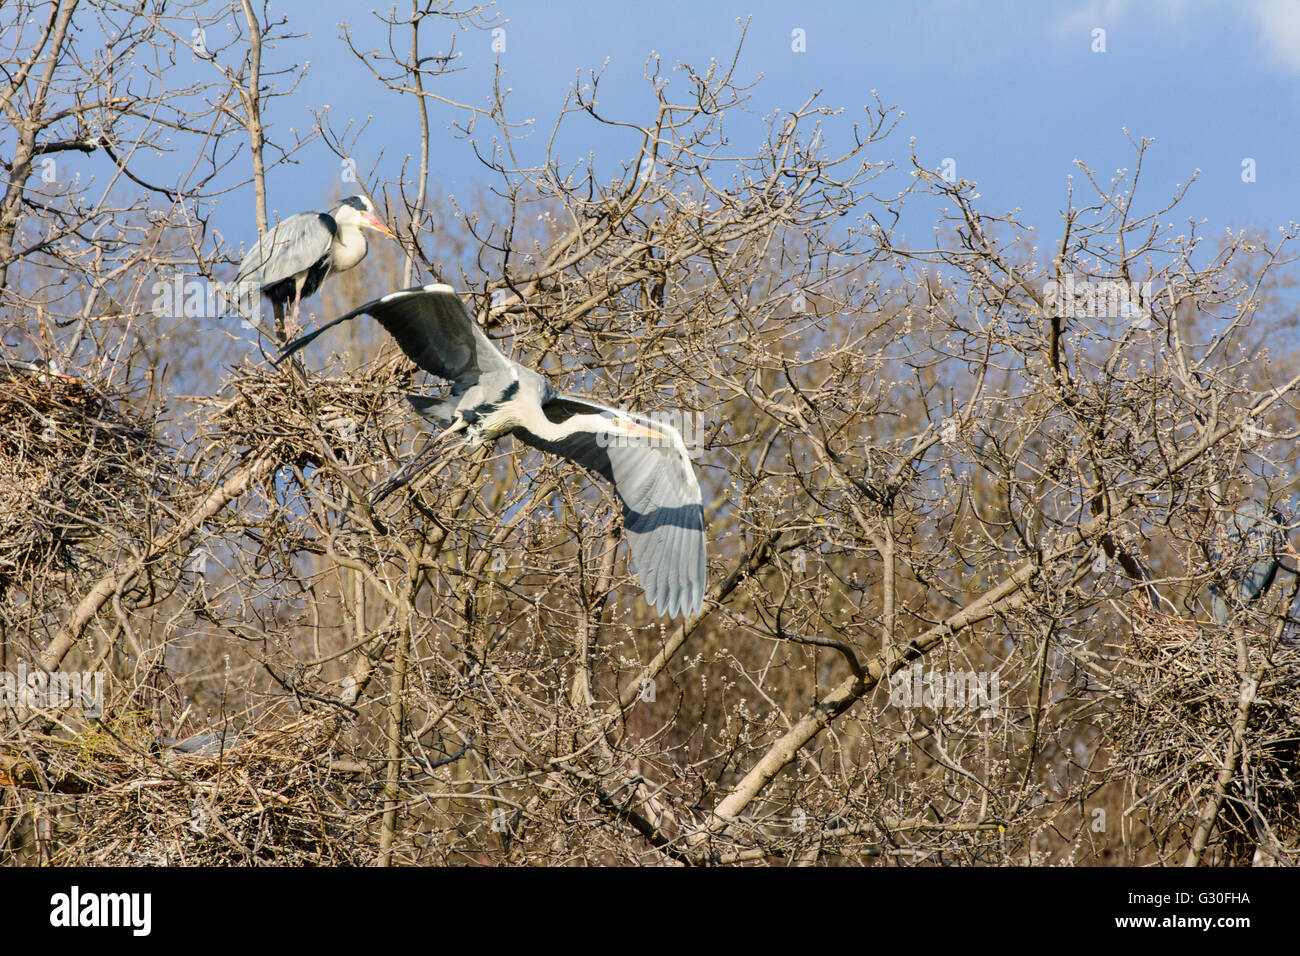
x=491 y=396
x=291 y=261
x=1256 y=537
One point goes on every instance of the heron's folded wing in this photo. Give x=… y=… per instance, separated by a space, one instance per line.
x=291 y=247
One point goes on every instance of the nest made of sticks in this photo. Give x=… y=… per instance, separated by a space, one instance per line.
x=275 y=793
x=345 y=414
x=72 y=462
x=1185 y=683
x=285 y=791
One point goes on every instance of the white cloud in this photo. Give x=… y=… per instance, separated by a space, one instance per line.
x=1279 y=22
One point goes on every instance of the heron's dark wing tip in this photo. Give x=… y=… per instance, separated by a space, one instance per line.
x=298 y=343
x=305 y=340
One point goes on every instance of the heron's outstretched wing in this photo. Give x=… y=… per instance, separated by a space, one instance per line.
x=433 y=328
x=663 y=514
x=291 y=247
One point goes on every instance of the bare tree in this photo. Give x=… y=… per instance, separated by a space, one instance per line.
x=966 y=503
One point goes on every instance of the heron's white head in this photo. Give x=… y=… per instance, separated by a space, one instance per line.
x=359 y=212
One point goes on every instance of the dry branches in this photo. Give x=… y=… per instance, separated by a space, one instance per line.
x=964 y=508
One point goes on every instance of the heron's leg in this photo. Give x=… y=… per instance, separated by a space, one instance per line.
x=459 y=424
x=412 y=468
x=298 y=282
x=277 y=310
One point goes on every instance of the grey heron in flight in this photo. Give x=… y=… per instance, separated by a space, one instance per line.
x=491 y=396
x=291 y=261
x=1255 y=540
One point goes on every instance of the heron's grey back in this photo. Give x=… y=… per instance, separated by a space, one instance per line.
x=290 y=247
x=204 y=744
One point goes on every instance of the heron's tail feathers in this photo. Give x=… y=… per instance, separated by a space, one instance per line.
x=439 y=411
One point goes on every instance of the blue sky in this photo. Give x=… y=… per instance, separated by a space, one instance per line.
x=1012 y=91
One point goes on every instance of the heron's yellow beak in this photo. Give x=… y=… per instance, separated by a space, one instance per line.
x=640 y=431
x=377 y=224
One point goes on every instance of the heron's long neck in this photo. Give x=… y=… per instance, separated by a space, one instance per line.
x=349 y=248
x=547 y=430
